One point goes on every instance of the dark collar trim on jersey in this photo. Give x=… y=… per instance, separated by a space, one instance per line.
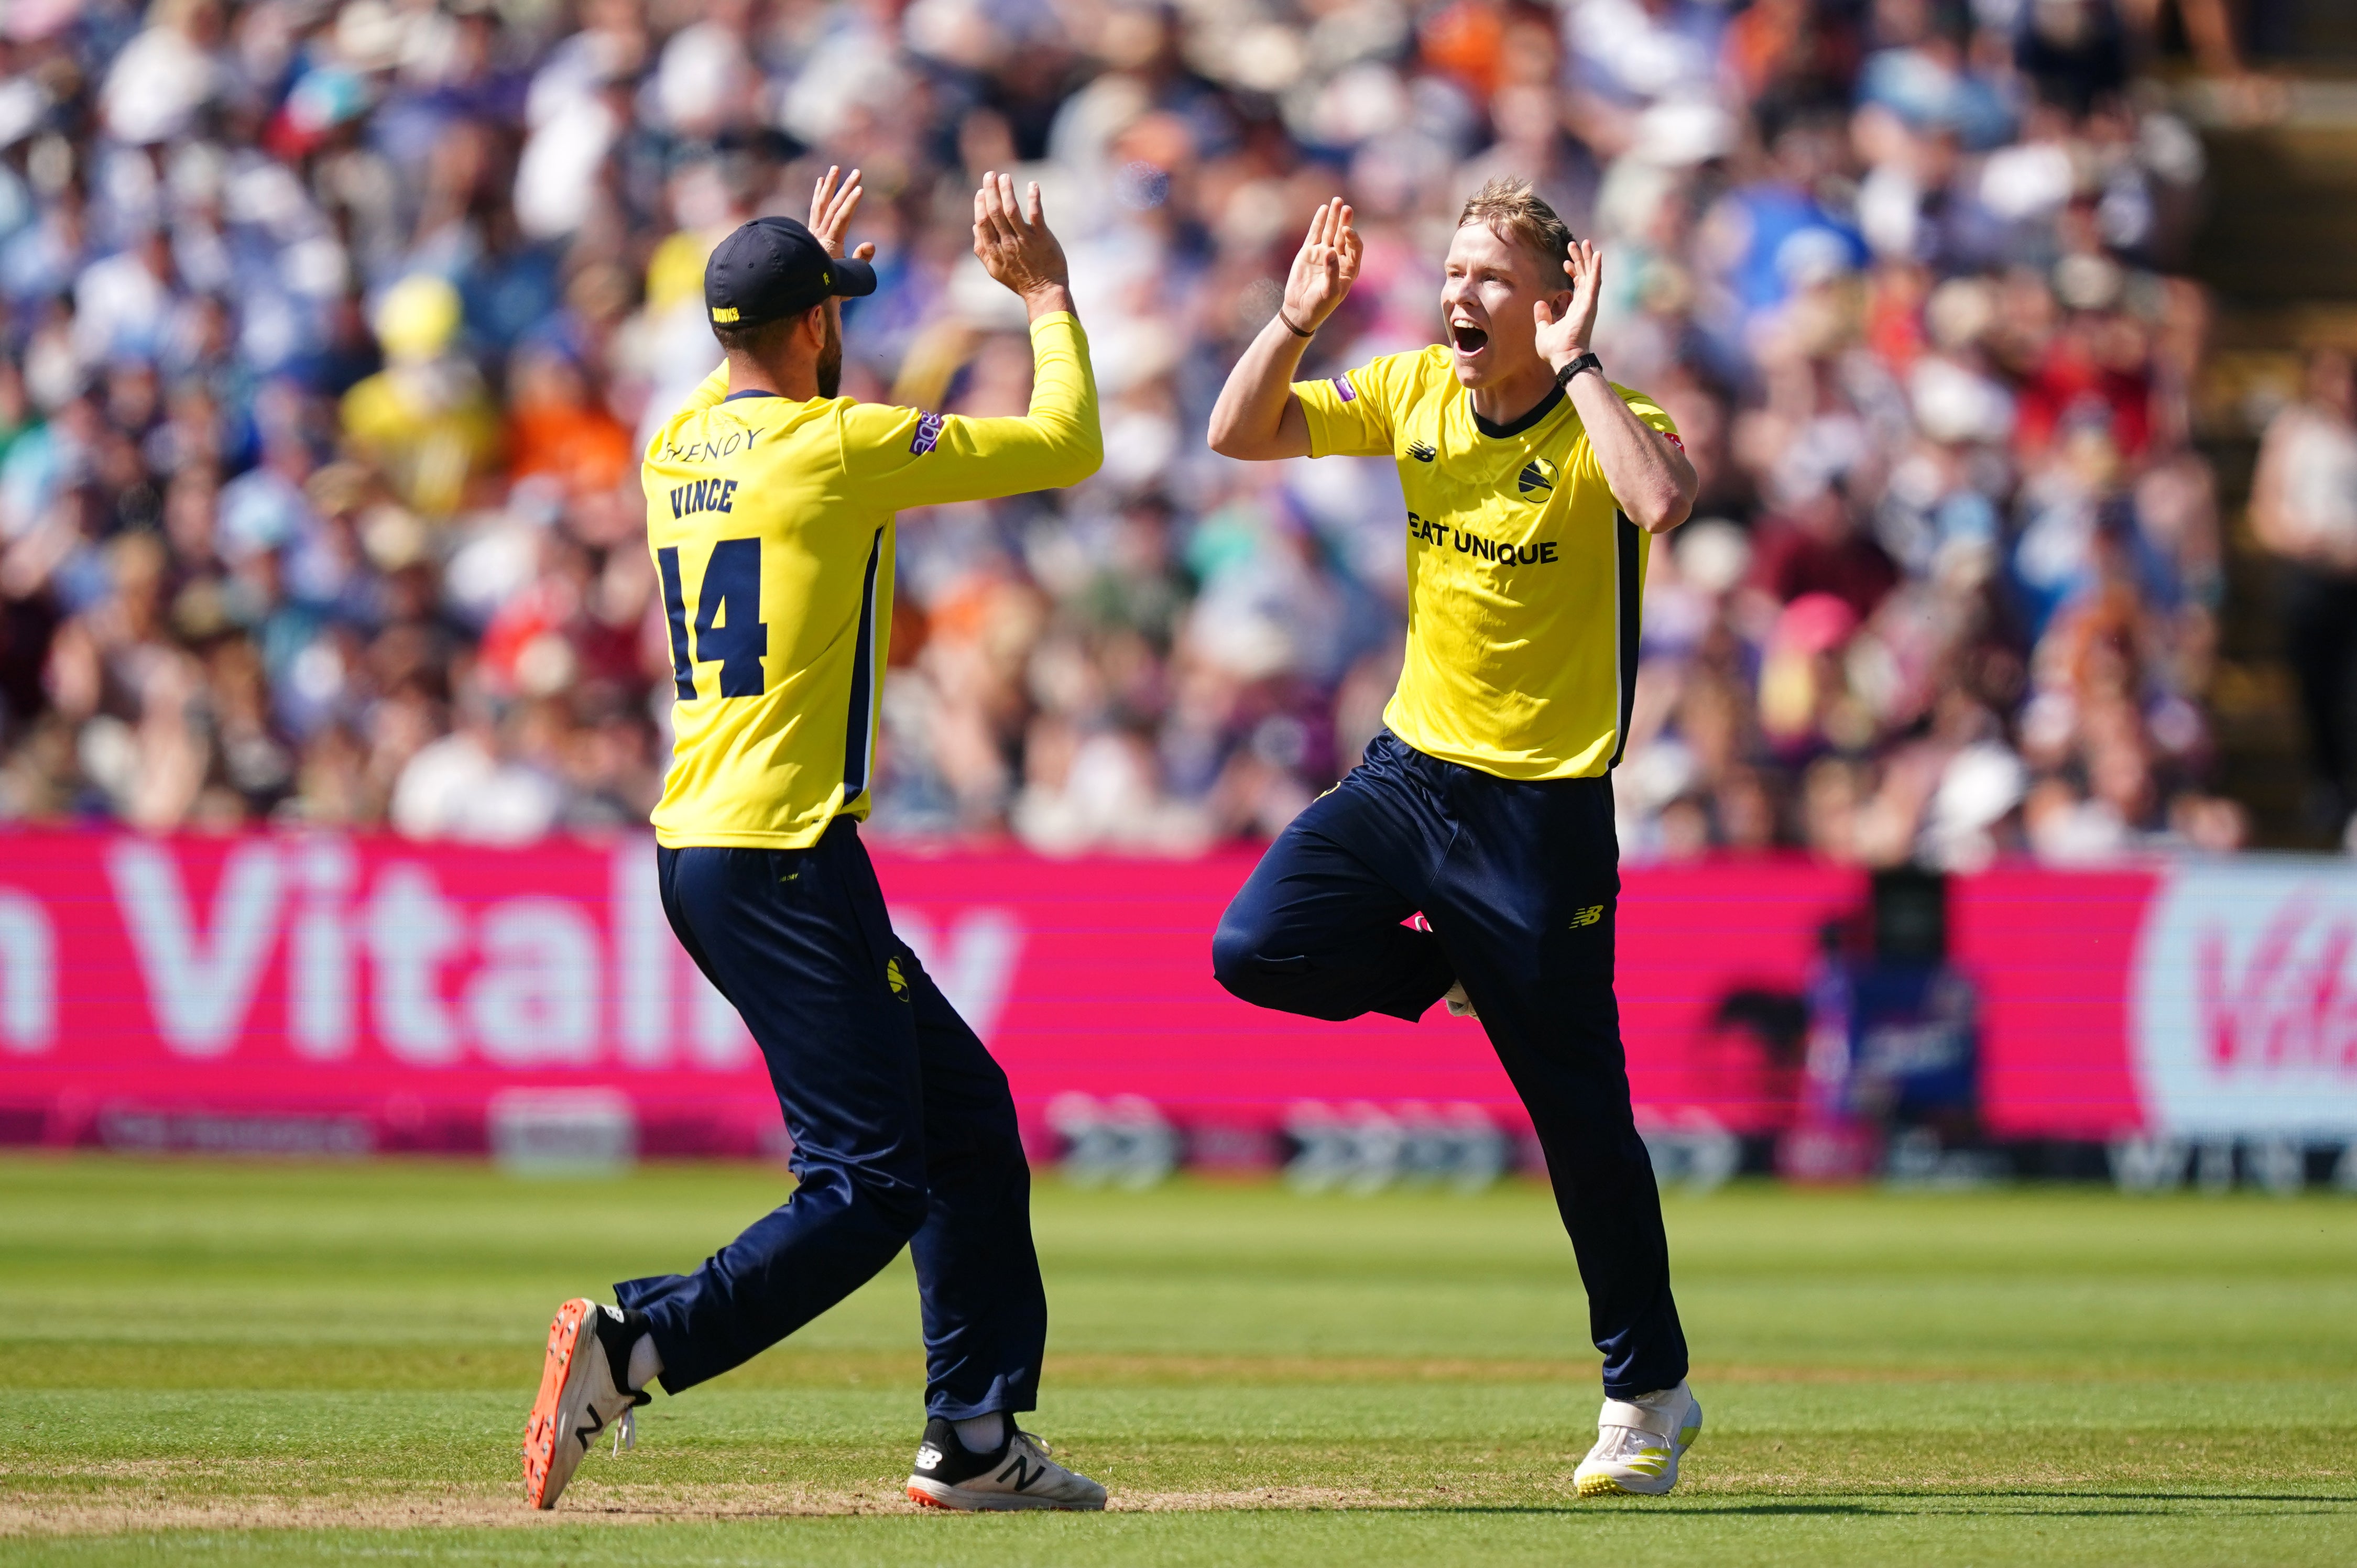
x=1502 y=431
x=750 y=391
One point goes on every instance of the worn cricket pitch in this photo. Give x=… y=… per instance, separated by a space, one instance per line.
x=235 y=1363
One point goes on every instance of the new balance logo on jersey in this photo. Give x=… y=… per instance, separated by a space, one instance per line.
x=1588 y=917
x=1423 y=451
x=1537 y=477
x=704 y=495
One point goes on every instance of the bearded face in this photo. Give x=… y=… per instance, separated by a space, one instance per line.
x=830 y=356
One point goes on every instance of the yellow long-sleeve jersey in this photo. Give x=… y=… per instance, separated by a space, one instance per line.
x=771 y=521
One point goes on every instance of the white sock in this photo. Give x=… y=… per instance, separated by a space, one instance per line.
x=981 y=1433
x=646 y=1362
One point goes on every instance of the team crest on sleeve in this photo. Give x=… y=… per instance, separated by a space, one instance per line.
x=928 y=433
x=1349 y=392
x=1537 y=477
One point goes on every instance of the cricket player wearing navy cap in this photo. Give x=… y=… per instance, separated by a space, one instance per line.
x=769 y=512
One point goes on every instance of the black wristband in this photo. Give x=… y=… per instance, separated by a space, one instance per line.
x=1587 y=361
x=1289 y=327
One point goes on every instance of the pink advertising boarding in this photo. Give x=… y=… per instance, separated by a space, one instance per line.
x=403 y=986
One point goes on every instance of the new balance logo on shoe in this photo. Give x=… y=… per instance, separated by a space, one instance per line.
x=581 y=1395
x=1019 y=1475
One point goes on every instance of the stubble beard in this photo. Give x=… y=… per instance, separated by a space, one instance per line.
x=830 y=362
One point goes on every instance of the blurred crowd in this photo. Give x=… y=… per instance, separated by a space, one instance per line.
x=334 y=329
x=2304 y=512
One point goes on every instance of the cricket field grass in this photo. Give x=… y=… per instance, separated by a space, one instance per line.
x=242 y=1362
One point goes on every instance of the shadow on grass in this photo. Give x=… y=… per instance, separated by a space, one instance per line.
x=2029 y=1505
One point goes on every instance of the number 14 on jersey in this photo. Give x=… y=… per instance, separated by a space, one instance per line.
x=730 y=630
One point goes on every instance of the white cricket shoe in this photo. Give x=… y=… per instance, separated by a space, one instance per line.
x=582 y=1395
x=1018 y=1475
x=1638 y=1443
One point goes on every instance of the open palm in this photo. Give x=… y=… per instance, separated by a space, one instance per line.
x=1563 y=338
x=1325 y=267
x=834 y=199
x=1011 y=238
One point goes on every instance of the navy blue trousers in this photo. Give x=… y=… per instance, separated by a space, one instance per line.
x=904 y=1133
x=1519 y=882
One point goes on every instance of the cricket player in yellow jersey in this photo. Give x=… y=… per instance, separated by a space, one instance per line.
x=769 y=510
x=1533 y=487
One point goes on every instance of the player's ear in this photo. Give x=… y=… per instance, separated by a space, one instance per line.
x=812 y=326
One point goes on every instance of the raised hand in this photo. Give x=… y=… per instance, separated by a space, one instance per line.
x=1562 y=339
x=1012 y=242
x=1324 y=268
x=833 y=201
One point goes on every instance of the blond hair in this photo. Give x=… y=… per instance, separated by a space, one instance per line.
x=1509 y=208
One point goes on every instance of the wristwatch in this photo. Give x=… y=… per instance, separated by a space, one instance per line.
x=1587 y=361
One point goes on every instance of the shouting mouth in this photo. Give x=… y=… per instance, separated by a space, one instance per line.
x=1466 y=338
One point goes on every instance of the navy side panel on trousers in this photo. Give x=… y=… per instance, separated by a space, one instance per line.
x=1518 y=880
x=904 y=1133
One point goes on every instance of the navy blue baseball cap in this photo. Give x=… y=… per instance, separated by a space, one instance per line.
x=775 y=267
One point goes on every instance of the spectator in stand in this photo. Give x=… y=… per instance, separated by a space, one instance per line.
x=2304 y=510
x=424 y=421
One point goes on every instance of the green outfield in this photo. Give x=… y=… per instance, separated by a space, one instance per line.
x=231 y=1363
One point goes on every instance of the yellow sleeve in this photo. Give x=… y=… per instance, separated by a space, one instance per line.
x=1645 y=409
x=1350 y=415
x=709 y=393
x=909 y=457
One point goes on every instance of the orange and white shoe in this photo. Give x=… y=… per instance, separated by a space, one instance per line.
x=583 y=1394
x=1639 y=1443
